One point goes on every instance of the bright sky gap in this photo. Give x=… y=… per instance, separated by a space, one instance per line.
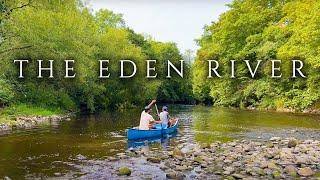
x=170 y=21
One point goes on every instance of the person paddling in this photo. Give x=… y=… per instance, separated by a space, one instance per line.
x=146 y=119
x=165 y=118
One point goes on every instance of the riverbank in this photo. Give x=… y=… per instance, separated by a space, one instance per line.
x=285 y=110
x=273 y=159
x=24 y=116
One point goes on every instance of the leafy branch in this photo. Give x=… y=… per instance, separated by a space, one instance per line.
x=15 y=48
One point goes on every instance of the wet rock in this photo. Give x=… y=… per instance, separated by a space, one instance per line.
x=257 y=171
x=57 y=174
x=177 y=152
x=5 y=127
x=122 y=156
x=229 y=169
x=238 y=176
x=26 y=122
x=187 y=149
x=275 y=139
x=236 y=164
x=198 y=160
x=124 y=171
x=291 y=170
x=112 y=159
x=171 y=175
x=307 y=171
x=272 y=165
x=6 y=178
x=131 y=154
x=204 y=165
x=276 y=174
x=268 y=171
x=210 y=170
x=198 y=170
x=154 y=159
x=205 y=145
x=182 y=168
x=292 y=143
x=301 y=160
x=81 y=157
x=239 y=159
x=263 y=164
x=174 y=175
x=163 y=167
x=270 y=145
x=230 y=178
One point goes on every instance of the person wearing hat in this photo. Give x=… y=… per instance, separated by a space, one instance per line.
x=165 y=119
x=146 y=119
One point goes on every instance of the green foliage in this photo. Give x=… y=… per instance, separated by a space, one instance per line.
x=263 y=30
x=29 y=110
x=7 y=93
x=62 y=30
x=107 y=19
x=47 y=96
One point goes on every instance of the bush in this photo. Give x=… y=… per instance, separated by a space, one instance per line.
x=7 y=93
x=47 y=96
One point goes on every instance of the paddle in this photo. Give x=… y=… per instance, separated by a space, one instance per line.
x=158 y=114
x=157 y=109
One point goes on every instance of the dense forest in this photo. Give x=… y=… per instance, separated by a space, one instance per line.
x=250 y=30
x=261 y=30
x=59 y=30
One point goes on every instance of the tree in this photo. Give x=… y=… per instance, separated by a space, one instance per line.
x=263 y=30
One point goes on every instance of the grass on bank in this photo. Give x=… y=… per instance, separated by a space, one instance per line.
x=9 y=114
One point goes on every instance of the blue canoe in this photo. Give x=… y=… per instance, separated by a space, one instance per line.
x=135 y=133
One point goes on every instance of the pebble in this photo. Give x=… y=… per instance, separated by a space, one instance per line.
x=57 y=174
x=238 y=176
x=124 y=171
x=154 y=159
x=240 y=160
x=292 y=143
x=291 y=170
x=307 y=171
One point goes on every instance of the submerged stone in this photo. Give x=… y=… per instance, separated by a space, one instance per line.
x=124 y=171
x=154 y=159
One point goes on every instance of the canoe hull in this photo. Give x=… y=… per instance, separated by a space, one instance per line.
x=134 y=133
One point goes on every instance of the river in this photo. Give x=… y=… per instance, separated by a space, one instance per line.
x=57 y=149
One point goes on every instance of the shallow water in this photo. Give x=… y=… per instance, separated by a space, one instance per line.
x=59 y=149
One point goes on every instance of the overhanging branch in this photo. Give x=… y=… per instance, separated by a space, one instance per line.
x=18 y=7
x=16 y=48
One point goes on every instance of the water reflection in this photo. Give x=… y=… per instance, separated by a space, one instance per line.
x=164 y=142
x=222 y=124
x=41 y=152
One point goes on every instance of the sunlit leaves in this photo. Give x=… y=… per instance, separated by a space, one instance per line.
x=265 y=30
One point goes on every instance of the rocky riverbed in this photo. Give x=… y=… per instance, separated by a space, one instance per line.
x=27 y=122
x=273 y=159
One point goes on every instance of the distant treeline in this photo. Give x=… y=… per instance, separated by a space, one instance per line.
x=262 y=30
x=62 y=30
x=250 y=30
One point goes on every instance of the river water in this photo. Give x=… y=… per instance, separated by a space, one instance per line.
x=57 y=150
